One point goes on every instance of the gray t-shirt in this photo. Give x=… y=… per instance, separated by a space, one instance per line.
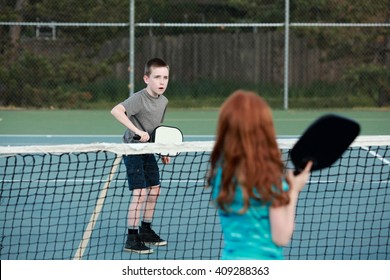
x=144 y=111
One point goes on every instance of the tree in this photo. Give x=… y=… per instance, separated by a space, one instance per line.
x=372 y=79
x=340 y=42
x=45 y=80
x=11 y=13
x=368 y=48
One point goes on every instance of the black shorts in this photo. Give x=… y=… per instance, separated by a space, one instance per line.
x=142 y=171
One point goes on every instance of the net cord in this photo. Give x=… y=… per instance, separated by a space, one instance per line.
x=143 y=148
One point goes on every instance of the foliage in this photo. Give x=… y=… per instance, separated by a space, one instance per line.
x=79 y=77
x=48 y=83
x=372 y=79
x=265 y=11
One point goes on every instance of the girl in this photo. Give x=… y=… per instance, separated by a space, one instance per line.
x=256 y=203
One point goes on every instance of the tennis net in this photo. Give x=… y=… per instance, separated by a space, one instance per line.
x=71 y=202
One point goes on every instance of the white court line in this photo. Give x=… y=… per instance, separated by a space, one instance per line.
x=81 y=181
x=81 y=136
x=95 y=215
x=378 y=156
x=61 y=135
x=163 y=182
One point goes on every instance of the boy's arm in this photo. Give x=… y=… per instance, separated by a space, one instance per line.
x=119 y=112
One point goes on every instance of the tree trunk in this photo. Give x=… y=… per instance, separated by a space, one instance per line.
x=15 y=30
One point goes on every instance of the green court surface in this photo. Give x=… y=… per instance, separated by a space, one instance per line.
x=190 y=121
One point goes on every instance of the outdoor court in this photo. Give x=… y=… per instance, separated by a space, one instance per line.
x=30 y=127
x=55 y=213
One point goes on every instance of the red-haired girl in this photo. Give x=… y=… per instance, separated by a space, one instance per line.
x=255 y=200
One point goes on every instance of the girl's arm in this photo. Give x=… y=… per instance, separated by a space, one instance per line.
x=282 y=218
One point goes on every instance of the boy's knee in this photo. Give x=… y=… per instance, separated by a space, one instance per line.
x=154 y=191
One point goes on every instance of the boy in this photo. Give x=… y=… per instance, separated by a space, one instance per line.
x=141 y=113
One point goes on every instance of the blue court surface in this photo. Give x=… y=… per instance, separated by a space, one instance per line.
x=74 y=206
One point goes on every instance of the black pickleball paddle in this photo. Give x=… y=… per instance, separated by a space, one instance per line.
x=323 y=142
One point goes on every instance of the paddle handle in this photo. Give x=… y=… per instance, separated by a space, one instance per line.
x=296 y=172
x=138 y=137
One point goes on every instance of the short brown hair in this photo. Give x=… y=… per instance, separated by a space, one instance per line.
x=154 y=62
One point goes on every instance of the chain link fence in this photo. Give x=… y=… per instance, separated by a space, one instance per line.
x=90 y=54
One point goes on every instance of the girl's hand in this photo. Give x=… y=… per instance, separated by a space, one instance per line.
x=297 y=182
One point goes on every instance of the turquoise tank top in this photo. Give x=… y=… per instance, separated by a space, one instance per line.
x=248 y=235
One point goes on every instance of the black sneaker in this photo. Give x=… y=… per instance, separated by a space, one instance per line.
x=148 y=236
x=134 y=244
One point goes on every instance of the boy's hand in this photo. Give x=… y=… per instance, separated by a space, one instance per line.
x=144 y=136
x=165 y=159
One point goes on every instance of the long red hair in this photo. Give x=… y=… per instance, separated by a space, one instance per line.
x=247 y=149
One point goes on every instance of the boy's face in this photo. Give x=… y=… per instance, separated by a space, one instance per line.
x=157 y=81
